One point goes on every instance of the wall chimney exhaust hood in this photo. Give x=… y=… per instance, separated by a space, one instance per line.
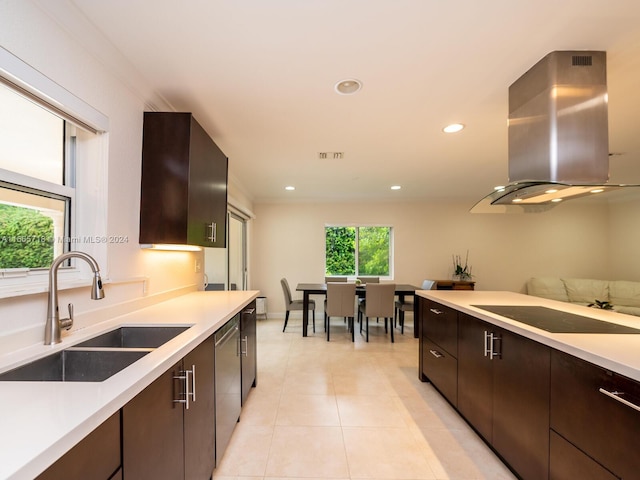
x=558 y=135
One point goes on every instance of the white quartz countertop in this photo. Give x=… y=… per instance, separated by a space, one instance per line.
x=40 y=421
x=616 y=352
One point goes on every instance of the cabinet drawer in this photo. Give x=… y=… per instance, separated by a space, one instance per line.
x=441 y=326
x=566 y=461
x=96 y=457
x=602 y=427
x=442 y=370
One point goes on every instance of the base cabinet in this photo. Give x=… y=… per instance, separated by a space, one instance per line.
x=438 y=347
x=498 y=381
x=568 y=462
x=248 y=340
x=168 y=430
x=97 y=456
x=587 y=412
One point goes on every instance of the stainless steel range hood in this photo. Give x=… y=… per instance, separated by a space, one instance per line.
x=558 y=134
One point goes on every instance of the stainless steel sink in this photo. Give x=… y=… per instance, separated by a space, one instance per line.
x=135 y=337
x=76 y=365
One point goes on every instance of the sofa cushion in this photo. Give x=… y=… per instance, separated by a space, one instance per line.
x=627 y=310
x=624 y=293
x=551 y=288
x=586 y=290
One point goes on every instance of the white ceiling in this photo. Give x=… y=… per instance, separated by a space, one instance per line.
x=259 y=76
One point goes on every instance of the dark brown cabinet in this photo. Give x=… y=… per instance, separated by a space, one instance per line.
x=596 y=412
x=438 y=347
x=248 y=340
x=168 y=429
x=97 y=456
x=503 y=391
x=184 y=183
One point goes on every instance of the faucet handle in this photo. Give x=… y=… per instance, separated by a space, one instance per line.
x=66 y=323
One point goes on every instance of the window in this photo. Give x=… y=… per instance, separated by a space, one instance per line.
x=358 y=251
x=36 y=192
x=53 y=182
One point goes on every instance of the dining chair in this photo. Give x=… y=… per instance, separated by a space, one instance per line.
x=340 y=302
x=292 y=305
x=335 y=279
x=379 y=303
x=367 y=280
x=407 y=305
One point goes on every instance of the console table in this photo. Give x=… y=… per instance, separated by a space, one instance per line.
x=454 y=285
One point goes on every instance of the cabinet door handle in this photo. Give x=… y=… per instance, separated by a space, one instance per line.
x=487 y=348
x=245 y=352
x=436 y=311
x=489 y=339
x=213 y=228
x=184 y=376
x=249 y=311
x=616 y=397
x=436 y=353
x=193 y=383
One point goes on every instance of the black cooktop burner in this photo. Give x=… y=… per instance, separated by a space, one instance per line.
x=555 y=321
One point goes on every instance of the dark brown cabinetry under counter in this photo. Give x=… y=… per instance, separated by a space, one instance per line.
x=163 y=435
x=249 y=353
x=587 y=414
x=438 y=347
x=184 y=183
x=97 y=456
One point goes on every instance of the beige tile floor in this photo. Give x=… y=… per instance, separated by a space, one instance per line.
x=342 y=410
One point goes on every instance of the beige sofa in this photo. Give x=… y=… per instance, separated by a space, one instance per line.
x=623 y=295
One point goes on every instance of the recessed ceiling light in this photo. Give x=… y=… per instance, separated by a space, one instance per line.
x=289 y=187
x=348 y=86
x=551 y=190
x=597 y=190
x=556 y=200
x=396 y=187
x=453 y=128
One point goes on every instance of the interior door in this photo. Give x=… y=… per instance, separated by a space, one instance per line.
x=236 y=253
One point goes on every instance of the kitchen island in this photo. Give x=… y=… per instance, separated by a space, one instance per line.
x=41 y=421
x=551 y=404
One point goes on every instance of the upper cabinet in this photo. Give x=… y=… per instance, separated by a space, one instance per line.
x=184 y=183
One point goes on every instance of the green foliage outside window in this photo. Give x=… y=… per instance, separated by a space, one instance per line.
x=26 y=238
x=373 y=251
x=340 y=250
x=371 y=243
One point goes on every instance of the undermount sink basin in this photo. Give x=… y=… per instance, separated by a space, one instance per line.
x=75 y=365
x=135 y=337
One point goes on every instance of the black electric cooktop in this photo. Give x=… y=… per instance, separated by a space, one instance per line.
x=555 y=321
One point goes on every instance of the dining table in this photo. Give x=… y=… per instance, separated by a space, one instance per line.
x=402 y=290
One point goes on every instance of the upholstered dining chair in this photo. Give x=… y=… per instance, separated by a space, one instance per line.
x=378 y=302
x=367 y=280
x=340 y=303
x=407 y=305
x=292 y=305
x=335 y=279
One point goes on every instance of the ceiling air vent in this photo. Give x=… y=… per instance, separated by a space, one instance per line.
x=582 y=60
x=330 y=155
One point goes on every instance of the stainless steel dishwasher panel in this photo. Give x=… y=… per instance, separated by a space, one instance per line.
x=228 y=385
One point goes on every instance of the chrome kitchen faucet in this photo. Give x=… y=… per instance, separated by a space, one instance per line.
x=54 y=325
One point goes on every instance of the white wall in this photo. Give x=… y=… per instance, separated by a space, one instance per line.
x=35 y=33
x=504 y=250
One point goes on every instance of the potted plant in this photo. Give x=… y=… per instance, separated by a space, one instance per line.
x=461 y=271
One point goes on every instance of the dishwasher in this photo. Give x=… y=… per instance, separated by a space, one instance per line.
x=228 y=384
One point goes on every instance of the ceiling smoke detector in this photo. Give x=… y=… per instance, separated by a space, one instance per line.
x=348 y=86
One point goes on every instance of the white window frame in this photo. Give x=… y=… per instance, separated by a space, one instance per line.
x=88 y=221
x=357 y=226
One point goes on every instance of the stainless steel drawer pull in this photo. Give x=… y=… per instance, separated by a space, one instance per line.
x=213 y=227
x=436 y=353
x=616 y=396
x=487 y=349
x=436 y=311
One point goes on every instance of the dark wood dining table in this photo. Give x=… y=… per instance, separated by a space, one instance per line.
x=402 y=290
